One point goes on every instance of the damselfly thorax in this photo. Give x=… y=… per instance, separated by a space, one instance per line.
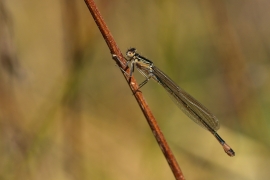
x=189 y=105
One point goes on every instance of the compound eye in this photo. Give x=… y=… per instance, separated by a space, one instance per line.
x=130 y=54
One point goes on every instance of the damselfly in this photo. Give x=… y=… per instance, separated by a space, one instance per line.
x=189 y=105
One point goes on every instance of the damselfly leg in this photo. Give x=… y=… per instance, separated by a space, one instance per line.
x=189 y=105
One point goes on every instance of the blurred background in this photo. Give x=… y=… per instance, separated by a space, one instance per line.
x=67 y=113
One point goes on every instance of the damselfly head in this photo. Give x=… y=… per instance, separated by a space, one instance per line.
x=131 y=52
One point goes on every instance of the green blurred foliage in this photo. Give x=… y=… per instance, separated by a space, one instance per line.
x=66 y=112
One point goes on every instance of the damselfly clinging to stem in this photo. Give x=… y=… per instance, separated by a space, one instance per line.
x=189 y=105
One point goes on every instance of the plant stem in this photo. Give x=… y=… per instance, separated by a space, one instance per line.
x=134 y=86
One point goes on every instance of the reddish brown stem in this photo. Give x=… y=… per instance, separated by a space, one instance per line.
x=134 y=86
